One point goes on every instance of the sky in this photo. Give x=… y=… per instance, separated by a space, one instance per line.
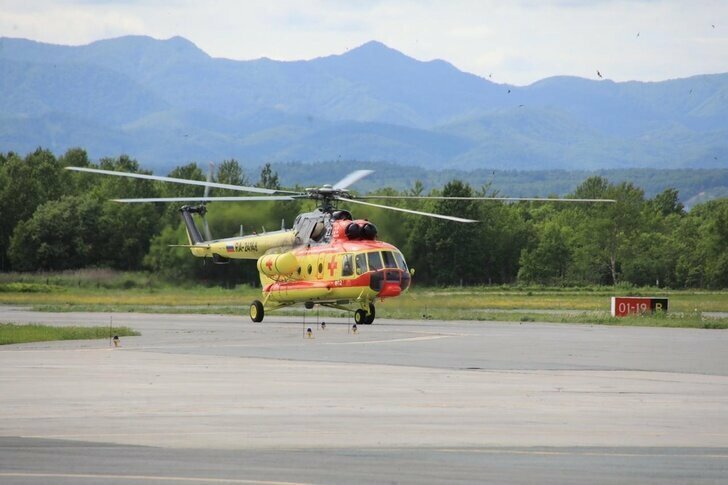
x=516 y=42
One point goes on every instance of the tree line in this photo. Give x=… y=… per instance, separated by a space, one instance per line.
x=54 y=219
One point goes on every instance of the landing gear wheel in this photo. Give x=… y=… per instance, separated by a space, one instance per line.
x=360 y=317
x=256 y=311
x=369 y=319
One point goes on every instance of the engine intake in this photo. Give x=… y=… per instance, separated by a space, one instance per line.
x=369 y=231
x=353 y=231
x=366 y=230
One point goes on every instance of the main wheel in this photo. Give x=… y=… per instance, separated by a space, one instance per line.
x=369 y=319
x=360 y=316
x=256 y=311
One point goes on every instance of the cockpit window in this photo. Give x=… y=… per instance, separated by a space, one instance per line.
x=389 y=259
x=375 y=261
x=400 y=261
x=347 y=267
x=361 y=263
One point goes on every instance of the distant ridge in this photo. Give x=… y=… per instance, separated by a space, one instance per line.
x=166 y=102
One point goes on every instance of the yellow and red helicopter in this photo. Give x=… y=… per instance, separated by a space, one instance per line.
x=327 y=258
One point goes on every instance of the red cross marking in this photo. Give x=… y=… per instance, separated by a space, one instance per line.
x=333 y=265
x=269 y=264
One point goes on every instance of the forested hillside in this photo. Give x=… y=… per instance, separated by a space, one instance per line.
x=694 y=185
x=53 y=219
x=167 y=100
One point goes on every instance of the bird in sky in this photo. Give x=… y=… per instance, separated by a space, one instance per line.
x=599 y=74
x=638 y=34
x=509 y=91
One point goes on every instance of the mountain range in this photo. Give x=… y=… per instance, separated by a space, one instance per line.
x=166 y=102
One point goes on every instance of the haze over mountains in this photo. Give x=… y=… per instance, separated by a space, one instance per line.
x=166 y=102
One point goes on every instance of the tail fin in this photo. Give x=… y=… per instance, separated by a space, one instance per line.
x=193 y=233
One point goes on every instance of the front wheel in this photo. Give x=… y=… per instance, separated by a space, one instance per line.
x=360 y=316
x=369 y=319
x=256 y=311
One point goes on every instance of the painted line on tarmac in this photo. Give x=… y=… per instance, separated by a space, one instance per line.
x=578 y=453
x=146 y=478
x=407 y=339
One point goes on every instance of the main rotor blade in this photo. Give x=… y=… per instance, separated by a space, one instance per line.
x=240 y=188
x=536 y=199
x=409 y=211
x=352 y=178
x=254 y=198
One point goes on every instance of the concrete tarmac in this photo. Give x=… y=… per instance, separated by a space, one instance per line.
x=218 y=399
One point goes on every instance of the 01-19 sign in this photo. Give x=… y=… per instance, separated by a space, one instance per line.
x=631 y=305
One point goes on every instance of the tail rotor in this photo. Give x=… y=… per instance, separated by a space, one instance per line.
x=205 y=226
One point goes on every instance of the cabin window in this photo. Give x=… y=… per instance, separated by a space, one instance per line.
x=347 y=266
x=361 y=263
x=309 y=269
x=375 y=261
x=389 y=261
x=321 y=268
x=400 y=261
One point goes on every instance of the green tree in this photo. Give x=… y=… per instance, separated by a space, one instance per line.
x=604 y=231
x=25 y=184
x=62 y=234
x=268 y=178
x=549 y=261
x=447 y=252
x=667 y=202
x=230 y=172
x=712 y=242
x=127 y=228
x=189 y=171
x=173 y=263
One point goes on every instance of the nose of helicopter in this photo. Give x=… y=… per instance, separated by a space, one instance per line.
x=395 y=282
x=390 y=289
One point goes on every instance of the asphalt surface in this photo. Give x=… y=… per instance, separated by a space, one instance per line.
x=218 y=399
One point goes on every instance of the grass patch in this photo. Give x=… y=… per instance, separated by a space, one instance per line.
x=598 y=318
x=18 y=287
x=109 y=291
x=419 y=300
x=11 y=333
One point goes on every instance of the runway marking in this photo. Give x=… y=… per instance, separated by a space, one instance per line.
x=407 y=339
x=155 y=478
x=577 y=453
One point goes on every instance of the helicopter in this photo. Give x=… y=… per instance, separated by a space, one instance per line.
x=327 y=258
